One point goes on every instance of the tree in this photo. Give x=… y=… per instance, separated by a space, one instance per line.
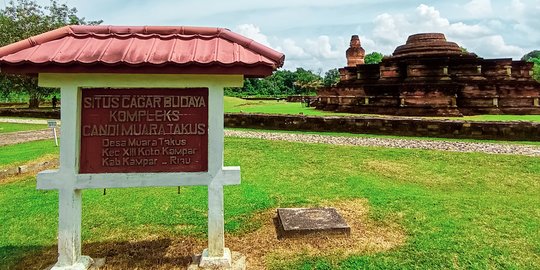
x=307 y=81
x=22 y=19
x=531 y=55
x=280 y=83
x=536 y=68
x=331 y=77
x=373 y=58
x=534 y=57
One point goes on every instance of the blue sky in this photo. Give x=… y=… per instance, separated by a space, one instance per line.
x=315 y=33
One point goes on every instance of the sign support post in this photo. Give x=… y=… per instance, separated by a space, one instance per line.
x=70 y=198
x=52 y=124
x=216 y=243
x=216 y=253
x=69 y=232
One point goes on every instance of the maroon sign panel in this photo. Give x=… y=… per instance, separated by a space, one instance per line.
x=144 y=130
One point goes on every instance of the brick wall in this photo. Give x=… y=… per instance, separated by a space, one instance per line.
x=30 y=113
x=399 y=126
x=518 y=130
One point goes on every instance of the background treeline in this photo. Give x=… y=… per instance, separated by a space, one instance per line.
x=285 y=83
x=299 y=82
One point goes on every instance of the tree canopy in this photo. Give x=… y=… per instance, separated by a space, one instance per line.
x=280 y=83
x=21 y=19
x=331 y=77
x=373 y=58
x=534 y=57
x=531 y=55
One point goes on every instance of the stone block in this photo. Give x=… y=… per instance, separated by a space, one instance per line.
x=295 y=222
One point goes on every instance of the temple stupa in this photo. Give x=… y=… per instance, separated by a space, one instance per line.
x=430 y=76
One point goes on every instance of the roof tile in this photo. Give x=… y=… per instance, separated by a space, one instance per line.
x=142 y=48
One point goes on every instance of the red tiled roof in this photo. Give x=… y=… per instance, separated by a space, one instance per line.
x=140 y=49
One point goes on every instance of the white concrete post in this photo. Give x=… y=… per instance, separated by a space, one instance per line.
x=216 y=242
x=69 y=145
x=69 y=227
x=216 y=229
x=216 y=255
x=70 y=199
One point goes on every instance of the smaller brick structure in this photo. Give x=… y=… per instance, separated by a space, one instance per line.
x=355 y=53
x=432 y=76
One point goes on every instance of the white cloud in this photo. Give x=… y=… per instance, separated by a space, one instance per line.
x=479 y=8
x=291 y=50
x=388 y=28
x=367 y=43
x=321 y=47
x=382 y=25
x=495 y=46
x=461 y=30
x=392 y=30
x=430 y=17
x=517 y=8
x=320 y=53
x=497 y=24
x=253 y=32
x=526 y=21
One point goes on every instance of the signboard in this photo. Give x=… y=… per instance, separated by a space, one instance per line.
x=51 y=123
x=144 y=130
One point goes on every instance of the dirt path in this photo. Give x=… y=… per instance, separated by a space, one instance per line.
x=25 y=121
x=25 y=136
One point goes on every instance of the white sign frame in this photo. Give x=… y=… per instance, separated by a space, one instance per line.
x=69 y=182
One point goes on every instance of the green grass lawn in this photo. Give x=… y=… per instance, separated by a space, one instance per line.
x=17 y=154
x=458 y=210
x=14 y=127
x=234 y=105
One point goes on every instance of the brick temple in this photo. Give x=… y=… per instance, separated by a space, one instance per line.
x=431 y=76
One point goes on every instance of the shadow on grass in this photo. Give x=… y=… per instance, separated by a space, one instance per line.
x=160 y=253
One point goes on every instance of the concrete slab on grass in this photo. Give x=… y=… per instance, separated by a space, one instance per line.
x=295 y=222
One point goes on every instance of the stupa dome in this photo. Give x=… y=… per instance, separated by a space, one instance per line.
x=428 y=44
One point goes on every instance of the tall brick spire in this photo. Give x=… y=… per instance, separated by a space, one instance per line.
x=355 y=54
